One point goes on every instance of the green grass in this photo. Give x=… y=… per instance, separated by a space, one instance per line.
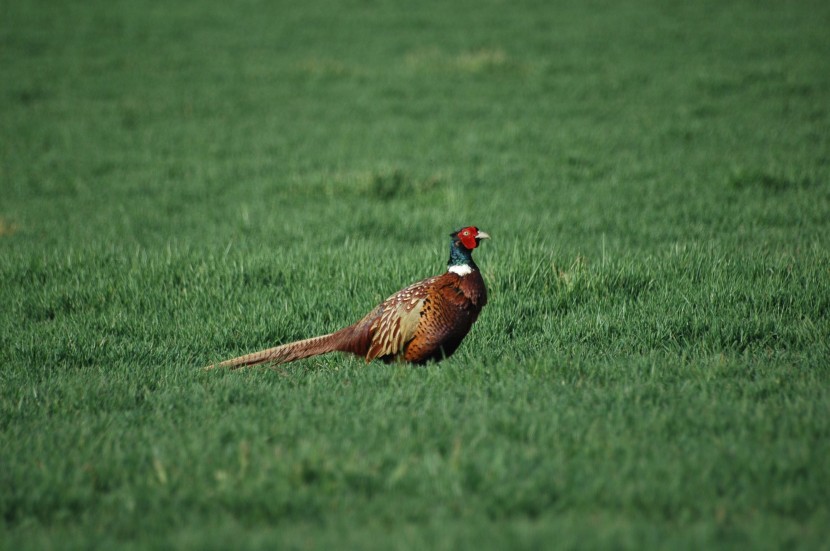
x=182 y=183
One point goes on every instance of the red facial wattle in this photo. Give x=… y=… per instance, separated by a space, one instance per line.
x=467 y=236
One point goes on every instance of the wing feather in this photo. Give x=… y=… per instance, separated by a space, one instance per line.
x=395 y=321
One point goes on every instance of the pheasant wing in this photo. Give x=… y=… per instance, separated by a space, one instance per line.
x=396 y=320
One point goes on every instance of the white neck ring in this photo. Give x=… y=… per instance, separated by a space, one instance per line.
x=462 y=270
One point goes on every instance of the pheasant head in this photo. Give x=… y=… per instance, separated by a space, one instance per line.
x=462 y=243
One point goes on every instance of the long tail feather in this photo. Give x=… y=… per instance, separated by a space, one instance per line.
x=286 y=352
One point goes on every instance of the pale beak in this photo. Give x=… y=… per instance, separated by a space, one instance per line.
x=482 y=235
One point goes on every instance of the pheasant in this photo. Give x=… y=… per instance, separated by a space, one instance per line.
x=425 y=321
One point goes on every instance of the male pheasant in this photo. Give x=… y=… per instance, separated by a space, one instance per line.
x=425 y=321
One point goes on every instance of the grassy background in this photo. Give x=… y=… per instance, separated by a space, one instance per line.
x=181 y=183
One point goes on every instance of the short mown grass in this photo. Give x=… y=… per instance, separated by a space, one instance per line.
x=184 y=183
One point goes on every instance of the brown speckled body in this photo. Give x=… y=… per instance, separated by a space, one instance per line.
x=426 y=321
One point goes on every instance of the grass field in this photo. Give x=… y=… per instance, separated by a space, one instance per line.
x=184 y=182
